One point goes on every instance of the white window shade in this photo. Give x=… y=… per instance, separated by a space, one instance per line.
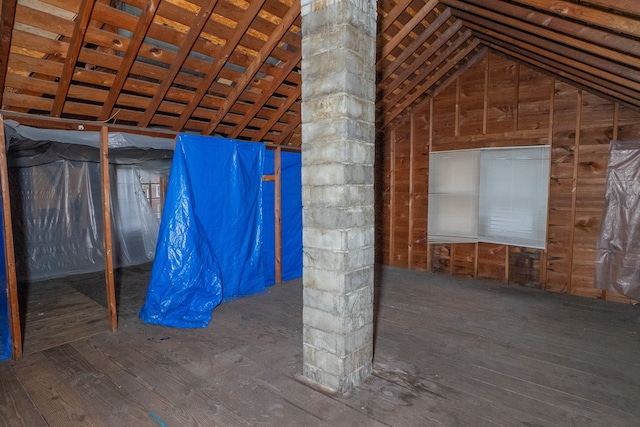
x=453 y=196
x=495 y=195
x=514 y=188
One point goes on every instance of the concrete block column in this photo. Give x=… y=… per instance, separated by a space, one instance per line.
x=338 y=132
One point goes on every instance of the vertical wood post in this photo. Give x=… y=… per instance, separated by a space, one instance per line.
x=392 y=198
x=544 y=261
x=9 y=254
x=277 y=171
x=106 y=217
x=574 y=189
x=412 y=195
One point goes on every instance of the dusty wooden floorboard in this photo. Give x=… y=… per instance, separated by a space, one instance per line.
x=449 y=352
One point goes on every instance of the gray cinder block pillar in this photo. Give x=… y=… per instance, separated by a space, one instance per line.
x=338 y=132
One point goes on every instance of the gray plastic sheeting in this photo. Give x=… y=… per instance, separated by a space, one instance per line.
x=617 y=266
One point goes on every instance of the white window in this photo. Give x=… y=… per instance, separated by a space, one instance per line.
x=496 y=195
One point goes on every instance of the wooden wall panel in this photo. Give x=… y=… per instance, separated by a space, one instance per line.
x=497 y=102
x=502 y=94
x=471 y=99
x=464 y=257
x=491 y=261
x=533 y=99
x=444 y=114
x=400 y=212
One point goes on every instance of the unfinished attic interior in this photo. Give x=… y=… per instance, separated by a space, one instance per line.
x=428 y=208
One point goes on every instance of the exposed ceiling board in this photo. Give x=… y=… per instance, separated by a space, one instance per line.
x=232 y=67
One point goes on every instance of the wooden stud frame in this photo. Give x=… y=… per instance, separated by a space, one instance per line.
x=106 y=218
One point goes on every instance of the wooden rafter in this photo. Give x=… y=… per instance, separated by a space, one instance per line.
x=408 y=28
x=146 y=18
x=433 y=65
x=393 y=14
x=442 y=70
x=194 y=32
x=411 y=49
x=589 y=15
x=230 y=45
x=625 y=6
x=523 y=24
x=278 y=32
x=596 y=65
x=283 y=73
x=282 y=110
x=77 y=40
x=6 y=30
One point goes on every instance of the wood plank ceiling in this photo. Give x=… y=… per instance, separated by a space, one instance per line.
x=232 y=67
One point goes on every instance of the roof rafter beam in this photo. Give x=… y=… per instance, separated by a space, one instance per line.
x=192 y=36
x=590 y=15
x=144 y=22
x=283 y=73
x=393 y=14
x=424 y=58
x=408 y=28
x=592 y=40
x=278 y=32
x=418 y=42
x=201 y=91
x=626 y=6
x=77 y=40
x=7 y=20
x=444 y=67
x=597 y=66
x=277 y=115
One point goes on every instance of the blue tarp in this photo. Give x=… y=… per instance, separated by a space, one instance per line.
x=5 y=336
x=210 y=241
x=291 y=217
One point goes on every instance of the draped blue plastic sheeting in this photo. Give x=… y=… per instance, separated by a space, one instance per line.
x=291 y=211
x=210 y=243
x=5 y=332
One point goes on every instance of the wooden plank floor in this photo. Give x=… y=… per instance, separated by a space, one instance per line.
x=448 y=352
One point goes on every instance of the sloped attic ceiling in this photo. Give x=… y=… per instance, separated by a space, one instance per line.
x=232 y=67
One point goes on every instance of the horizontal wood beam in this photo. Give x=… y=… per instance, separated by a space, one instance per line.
x=407 y=28
x=589 y=15
x=578 y=37
x=7 y=20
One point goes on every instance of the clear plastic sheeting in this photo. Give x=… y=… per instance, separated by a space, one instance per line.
x=617 y=266
x=210 y=242
x=56 y=205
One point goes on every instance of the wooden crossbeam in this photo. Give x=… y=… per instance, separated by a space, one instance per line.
x=144 y=22
x=426 y=72
x=277 y=115
x=7 y=20
x=75 y=46
x=444 y=67
x=230 y=45
x=564 y=46
x=267 y=93
x=589 y=15
x=278 y=32
x=595 y=37
x=408 y=27
x=426 y=56
x=411 y=49
x=393 y=14
x=194 y=32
